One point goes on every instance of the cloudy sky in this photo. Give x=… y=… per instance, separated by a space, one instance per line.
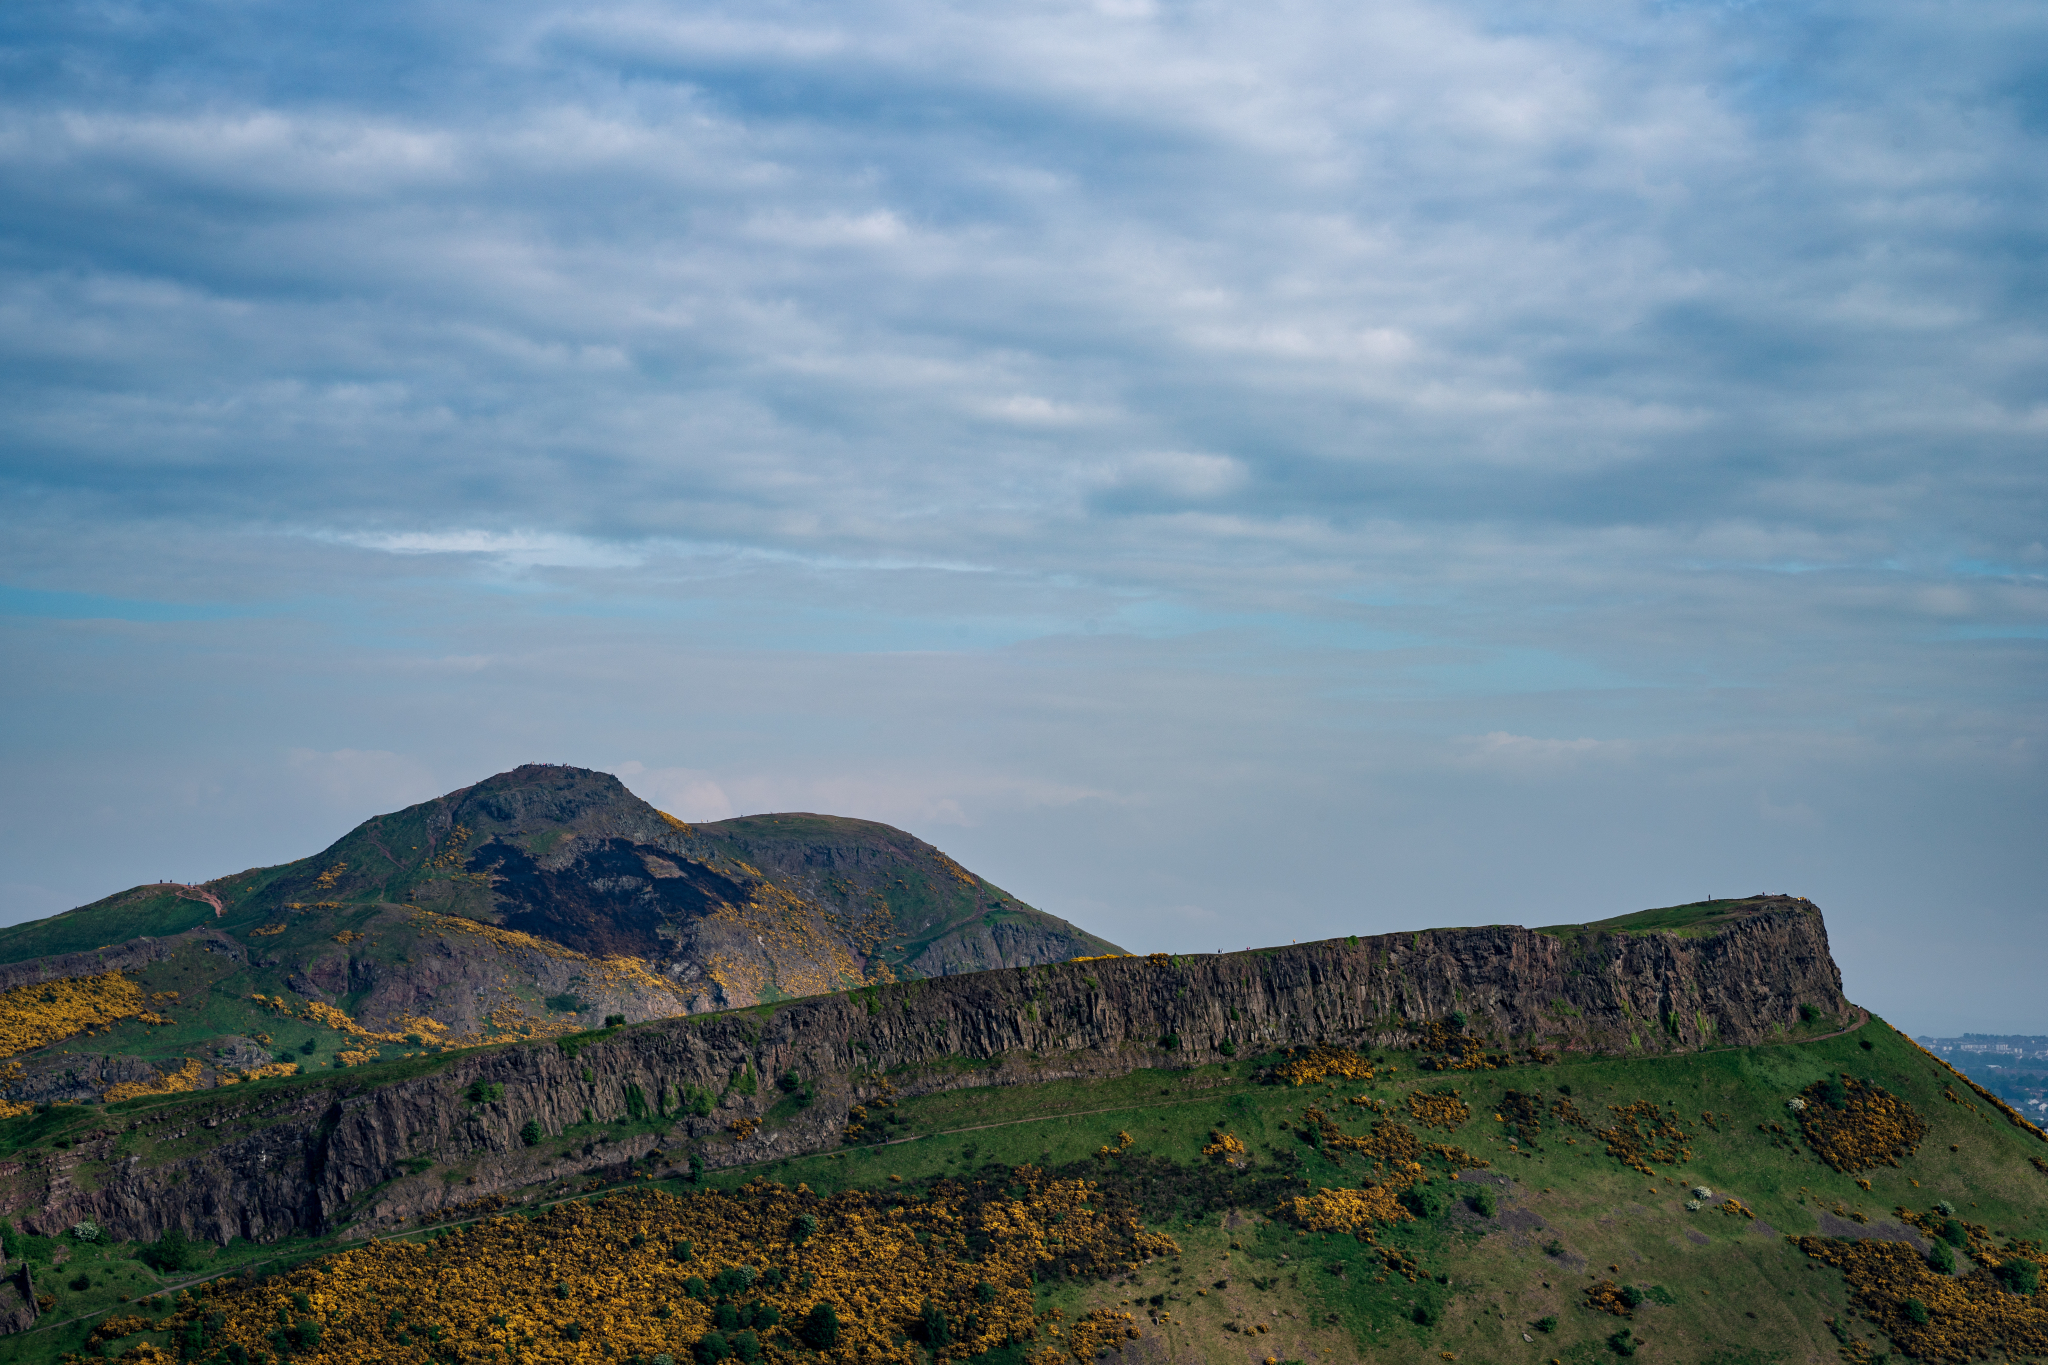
x=1228 y=473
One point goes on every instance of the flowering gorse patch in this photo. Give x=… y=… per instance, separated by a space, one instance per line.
x=37 y=1015
x=648 y=1274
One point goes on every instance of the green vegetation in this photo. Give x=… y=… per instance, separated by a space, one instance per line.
x=1503 y=1251
x=146 y=911
x=1696 y=920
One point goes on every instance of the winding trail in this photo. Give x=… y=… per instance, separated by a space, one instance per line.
x=199 y=893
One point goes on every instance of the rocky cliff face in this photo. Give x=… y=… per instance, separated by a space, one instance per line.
x=272 y=1159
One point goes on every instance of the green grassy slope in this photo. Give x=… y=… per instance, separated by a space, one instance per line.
x=1737 y=1290
x=143 y=911
x=859 y=867
x=1719 y=1288
x=1696 y=920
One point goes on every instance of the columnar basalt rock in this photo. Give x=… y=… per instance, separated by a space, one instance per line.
x=314 y=1156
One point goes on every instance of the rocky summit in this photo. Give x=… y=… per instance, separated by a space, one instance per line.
x=539 y=902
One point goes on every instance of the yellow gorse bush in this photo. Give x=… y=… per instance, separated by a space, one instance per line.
x=1959 y=1319
x=1873 y=1127
x=259 y=1073
x=1345 y=1210
x=184 y=1078
x=1643 y=1133
x=1310 y=1065
x=1224 y=1147
x=1439 y=1109
x=614 y=1278
x=37 y=1015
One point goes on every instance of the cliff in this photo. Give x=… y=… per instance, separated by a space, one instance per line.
x=375 y=1147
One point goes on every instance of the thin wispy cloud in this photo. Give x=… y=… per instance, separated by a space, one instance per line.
x=1229 y=416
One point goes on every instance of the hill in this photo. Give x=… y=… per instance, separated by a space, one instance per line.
x=1491 y=1144
x=539 y=902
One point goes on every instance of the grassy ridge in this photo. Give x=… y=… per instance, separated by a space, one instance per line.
x=138 y=913
x=1721 y=1289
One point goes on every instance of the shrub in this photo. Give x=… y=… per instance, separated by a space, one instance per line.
x=1917 y=1312
x=747 y=1346
x=684 y=1252
x=745 y=1082
x=1632 y=1296
x=735 y=1279
x=565 y=1003
x=81 y=1283
x=933 y=1328
x=1227 y=1048
x=573 y=1331
x=1458 y=1019
x=307 y=1333
x=789 y=1082
x=1171 y=1042
x=985 y=1292
x=172 y=1251
x=1429 y=1312
x=1941 y=1259
x=1833 y=1093
x=530 y=1133
x=1955 y=1234
x=483 y=1092
x=726 y=1317
x=763 y=1315
x=1808 y=1014
x=1424 y=1201
x=712 y=1347
x=696 y=1288
x=1623 y=1343
x=1547 y=1324
x=802 y=1229
x=821 y=1328
x=614 y=1020
x=1483 y=1203
x=2018 y=1276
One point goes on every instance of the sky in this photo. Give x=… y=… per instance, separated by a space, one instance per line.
x=1226 y=473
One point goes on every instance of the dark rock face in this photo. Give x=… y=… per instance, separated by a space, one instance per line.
x=613 y=898
x=17 y=1301
x=316 y=1156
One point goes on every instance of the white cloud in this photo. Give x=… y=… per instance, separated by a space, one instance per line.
x=536 y=549
x=687 y=794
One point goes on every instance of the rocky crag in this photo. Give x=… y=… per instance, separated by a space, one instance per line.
x=361 y=1151
x=538 y=902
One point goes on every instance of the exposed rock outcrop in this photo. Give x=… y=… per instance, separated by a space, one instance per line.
x=324 y=1152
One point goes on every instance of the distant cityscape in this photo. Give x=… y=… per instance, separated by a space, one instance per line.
x=2012 y=1066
